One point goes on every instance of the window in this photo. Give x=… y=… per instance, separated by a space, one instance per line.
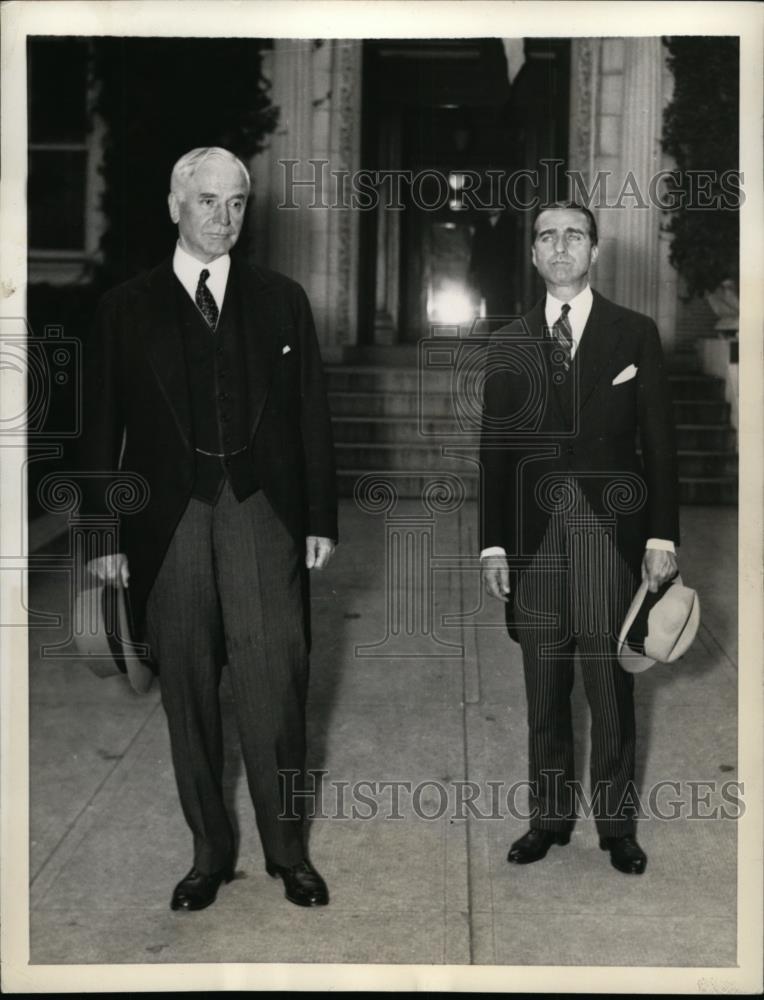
x=61 y=198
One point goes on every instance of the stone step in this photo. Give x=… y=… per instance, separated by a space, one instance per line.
x=440 y=405
x=684 y=362
x=717 y=492
x=425 y=457
x=395 y=421
x=413 y=458
x=692 y=387
x=706 y=437
x=701 y=411
x=368 y=379
x=389 y=356
x=403 y=431
x=394 y=404
x=711 y=491
x=702 y=464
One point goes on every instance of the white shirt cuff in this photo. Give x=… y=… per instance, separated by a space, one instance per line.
x=664 y=544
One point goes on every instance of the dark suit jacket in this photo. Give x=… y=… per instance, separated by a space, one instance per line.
x=135 y=385
x=536 y=431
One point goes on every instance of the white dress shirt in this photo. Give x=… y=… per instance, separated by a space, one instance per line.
x=580 y=307
x=187 y=270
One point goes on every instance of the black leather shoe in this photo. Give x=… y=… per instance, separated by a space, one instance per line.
x=534 y=845
x=625 y=854
x=197 y=890
x=302 y=883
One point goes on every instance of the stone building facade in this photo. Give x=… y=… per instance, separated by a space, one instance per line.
x=618 y=90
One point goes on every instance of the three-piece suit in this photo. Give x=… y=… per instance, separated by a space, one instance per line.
x=229 y=430
x=579 y=470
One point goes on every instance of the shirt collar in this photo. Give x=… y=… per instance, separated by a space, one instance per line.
x=187 y=270
x=580 y=305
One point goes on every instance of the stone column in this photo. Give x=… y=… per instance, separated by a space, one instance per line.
x=584 y=62
x=667 y=276
x=317 y=86
x=343 y=223
x=388 y=241
x=281 y=235
x=638 y=264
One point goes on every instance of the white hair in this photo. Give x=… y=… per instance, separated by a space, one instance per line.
x=190 y=162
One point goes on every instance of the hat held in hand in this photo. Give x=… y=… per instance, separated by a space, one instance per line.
x=102 y=634
x=659 y=627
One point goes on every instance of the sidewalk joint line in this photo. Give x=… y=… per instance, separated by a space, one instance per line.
x=71 y=826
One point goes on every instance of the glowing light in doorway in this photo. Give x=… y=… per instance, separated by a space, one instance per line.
x=451 y=302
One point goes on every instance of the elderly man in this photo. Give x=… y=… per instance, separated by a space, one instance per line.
x=571 y=516
x=204 y=377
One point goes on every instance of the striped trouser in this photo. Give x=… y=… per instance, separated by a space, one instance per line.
x=574 y=595
x=230 y=590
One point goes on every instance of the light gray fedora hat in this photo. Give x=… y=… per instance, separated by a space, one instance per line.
x=659 y=627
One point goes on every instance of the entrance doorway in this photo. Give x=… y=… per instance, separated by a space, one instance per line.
x=450 y=136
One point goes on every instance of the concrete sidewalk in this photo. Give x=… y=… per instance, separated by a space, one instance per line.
x=401 y=692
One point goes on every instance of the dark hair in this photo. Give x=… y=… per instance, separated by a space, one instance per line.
x=574 y=207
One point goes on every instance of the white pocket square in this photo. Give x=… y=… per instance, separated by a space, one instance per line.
x=286 y=349
x=629 y=372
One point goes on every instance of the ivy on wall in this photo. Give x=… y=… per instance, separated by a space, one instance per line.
x=160 y=97
x=701 y=132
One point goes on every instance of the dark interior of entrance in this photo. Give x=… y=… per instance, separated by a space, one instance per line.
x=453 y=142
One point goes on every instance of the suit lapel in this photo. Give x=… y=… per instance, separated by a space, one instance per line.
x=261 y=320
x=599 y=341
x=165 y=345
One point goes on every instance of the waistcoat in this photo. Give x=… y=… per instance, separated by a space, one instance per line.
x=217 y=382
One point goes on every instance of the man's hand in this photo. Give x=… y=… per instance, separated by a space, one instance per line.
x=495 y=571
x=658 y=566
x=110 y=569
x=318 y=551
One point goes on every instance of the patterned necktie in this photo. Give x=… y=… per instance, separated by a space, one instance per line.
x=205 y=300
x=563 y=334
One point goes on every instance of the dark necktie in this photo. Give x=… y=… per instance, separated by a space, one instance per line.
x=563 y=334
x=205 y=300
